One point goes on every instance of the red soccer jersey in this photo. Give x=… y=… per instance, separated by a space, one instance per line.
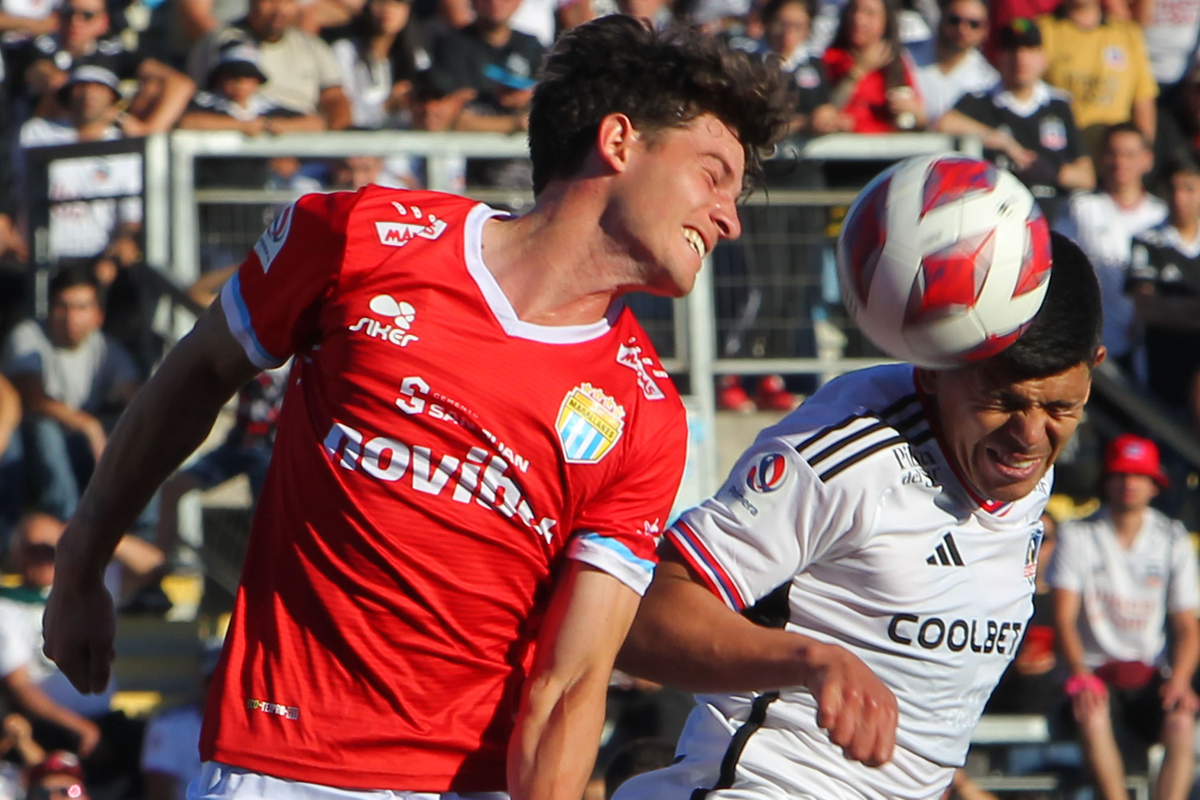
x=437 y=460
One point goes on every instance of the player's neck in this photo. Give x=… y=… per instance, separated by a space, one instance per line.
x=552 y=263
x=1127 y=522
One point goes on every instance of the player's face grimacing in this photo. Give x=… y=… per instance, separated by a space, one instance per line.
x=679 y=198
x=1002 y=434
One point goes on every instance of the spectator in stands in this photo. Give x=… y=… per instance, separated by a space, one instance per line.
x=45 y=62
x=170 y=750
x=106 y=191
x=495 y=61
x=58 y=777
x=873 y=79
x=1164 y=281
x=68 y=375
x=17 y=744
x=245 y=451
x=1026 y=126
x=380 y=54
x=1170 y=29
x=960 y=68
x=23 y=19
x=1121 y=578
x=1179 y=125
x=787 y=24
x=233 y=100
x=1104 y=223
x=301 y=71
x=1101 y=62
x=12 y=481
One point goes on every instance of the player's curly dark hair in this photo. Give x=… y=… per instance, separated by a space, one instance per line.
x=659 y=79
x=1067 y=329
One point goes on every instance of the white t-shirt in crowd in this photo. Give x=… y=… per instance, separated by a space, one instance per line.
x=90 y=195
x=848 y=518
x=1126 y=594
x=1105 y=231
x=82 y=378
x=1171 y=38
x=941 y=90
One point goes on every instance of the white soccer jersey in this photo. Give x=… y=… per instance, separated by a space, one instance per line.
x=1126 y=594
x=1105 y=231
x=848 y=517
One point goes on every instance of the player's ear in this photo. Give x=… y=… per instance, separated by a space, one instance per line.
x=615 y=139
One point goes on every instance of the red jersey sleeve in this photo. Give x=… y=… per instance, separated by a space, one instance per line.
x=270 y=301
x=618 y=532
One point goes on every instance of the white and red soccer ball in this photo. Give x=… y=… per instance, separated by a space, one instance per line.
x=943 y=260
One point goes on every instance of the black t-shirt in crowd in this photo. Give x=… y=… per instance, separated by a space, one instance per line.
x=1043 y=124
x=109 y=53
x=463 y=59
x=1158 y=260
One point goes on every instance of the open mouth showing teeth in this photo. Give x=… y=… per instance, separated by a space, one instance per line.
x=696 y=241
x=1010 y=462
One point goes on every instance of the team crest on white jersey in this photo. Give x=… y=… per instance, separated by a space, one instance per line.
x=631 y=356
x=589 y=424
x=1031 y=553
x=398 y=234
x=271 y=242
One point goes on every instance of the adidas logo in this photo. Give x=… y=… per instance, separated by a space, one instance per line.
x=946 y=554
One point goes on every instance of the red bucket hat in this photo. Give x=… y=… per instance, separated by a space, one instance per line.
x=1135 y=456
x=60 y=762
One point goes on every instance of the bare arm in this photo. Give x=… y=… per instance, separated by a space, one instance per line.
x=10 y=412
x=335 y=108
x=35 y=401
x=177 y=91
x=34 y=27
x=1145 y=116
x=196 y=17
x=574 y=14
x=553 y=747
x=33 y=701
x=468 y=120
x=1185 y=653
x=167 y=420
x=1066 y=619
x=210 y=121
x=713 y=648
x=1077 y=174
x=308 y=122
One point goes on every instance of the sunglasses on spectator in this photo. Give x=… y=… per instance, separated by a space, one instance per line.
x=86 y=16
x=954 y=20
x=39 y=552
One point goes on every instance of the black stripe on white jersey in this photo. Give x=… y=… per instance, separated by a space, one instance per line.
x=858 y=437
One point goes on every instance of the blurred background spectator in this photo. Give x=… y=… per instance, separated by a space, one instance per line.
x=1026 y=126
x=959 y=68
x=171 y=748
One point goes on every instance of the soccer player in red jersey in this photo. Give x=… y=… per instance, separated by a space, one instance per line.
x=477 y=450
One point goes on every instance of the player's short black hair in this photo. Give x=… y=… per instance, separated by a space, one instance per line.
x=659 y=79
x=1124 y=127
x=770 y=9
x=1067 y=329
x=72 y=273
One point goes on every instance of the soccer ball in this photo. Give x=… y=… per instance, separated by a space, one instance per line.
x=943 y=260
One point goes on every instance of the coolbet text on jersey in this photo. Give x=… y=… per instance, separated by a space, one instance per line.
x=846 y=522
x=436 y=462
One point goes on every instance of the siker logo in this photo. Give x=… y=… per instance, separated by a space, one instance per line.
x=398 y=234
x=402 y=315
x=767 y=475
x=271 y=242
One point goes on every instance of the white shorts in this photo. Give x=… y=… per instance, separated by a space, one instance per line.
x=219 y=781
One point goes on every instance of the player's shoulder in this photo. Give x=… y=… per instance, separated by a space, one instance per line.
x=849 y=428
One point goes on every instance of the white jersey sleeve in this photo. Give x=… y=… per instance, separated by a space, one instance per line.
x=1069 y=564
x=1183 y=589
x=771 y=519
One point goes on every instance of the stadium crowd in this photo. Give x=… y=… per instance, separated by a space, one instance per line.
x=1094 y=104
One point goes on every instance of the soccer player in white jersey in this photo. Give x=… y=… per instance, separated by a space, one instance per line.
x=1131 y=571
x=848 y=600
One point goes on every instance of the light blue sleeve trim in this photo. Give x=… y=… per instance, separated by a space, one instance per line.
x=611 y=556
x=238 y=318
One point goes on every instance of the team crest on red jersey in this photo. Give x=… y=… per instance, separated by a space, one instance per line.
x=589 y=424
